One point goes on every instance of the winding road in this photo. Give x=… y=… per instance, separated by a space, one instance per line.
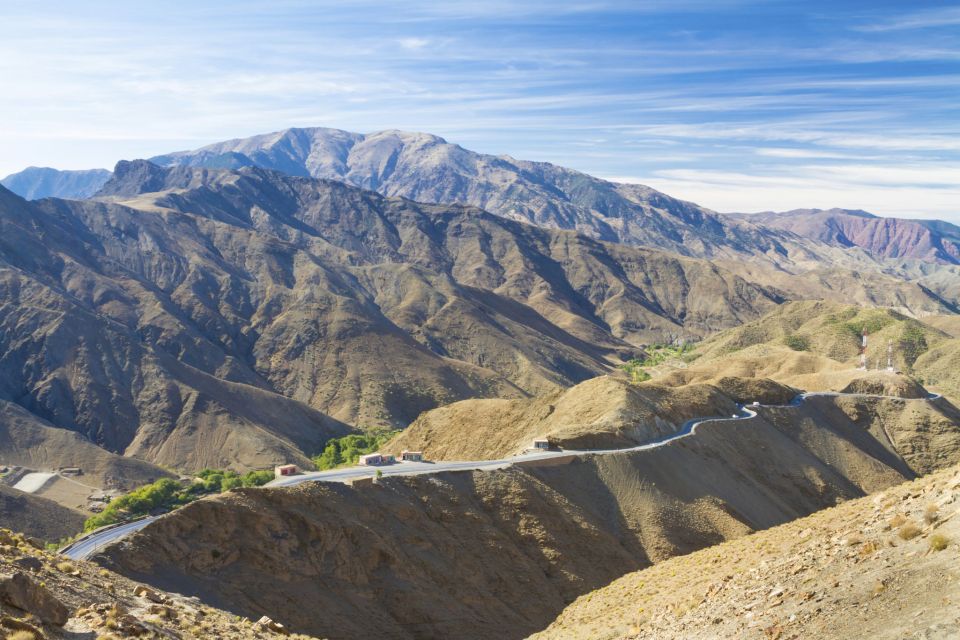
x=87 y=545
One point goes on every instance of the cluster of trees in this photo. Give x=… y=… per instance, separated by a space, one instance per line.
x=657 y=354
x=166 y=494
x=348 y=449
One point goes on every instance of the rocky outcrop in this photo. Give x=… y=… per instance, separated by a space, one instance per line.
x=22 y=592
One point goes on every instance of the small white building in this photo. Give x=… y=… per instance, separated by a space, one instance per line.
x=542 y=444
x=371 y=460
x=411 y=456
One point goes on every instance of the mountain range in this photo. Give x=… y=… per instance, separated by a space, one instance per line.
x=427 y=168
x=208 y=317
x=243 y=303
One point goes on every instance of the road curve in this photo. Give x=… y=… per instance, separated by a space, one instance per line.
x=86 y=546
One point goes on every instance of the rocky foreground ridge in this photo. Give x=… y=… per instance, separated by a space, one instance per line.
x=42 y=596
x=884 y=566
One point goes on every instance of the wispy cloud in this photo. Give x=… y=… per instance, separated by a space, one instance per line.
x=679 y=93
x=942 y=17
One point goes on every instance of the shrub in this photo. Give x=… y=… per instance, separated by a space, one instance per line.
x=634 y=369
x=797 y=343
x=909 y=531
x=930 y=513
x=939 y=542
x=66 y=567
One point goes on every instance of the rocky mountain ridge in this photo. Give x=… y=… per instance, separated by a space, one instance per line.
x=933 y=241
x=426 y=168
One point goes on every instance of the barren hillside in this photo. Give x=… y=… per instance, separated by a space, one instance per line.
x=38 y=517
x=884 y=566
x=27 y=441
x=500 y=553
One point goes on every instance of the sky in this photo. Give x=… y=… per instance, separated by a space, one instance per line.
x=736 y=105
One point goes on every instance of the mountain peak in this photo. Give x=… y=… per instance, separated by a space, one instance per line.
x=133 y=177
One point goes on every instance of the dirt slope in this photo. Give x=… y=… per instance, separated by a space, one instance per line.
x=27 y=441
x=37 y=516
x=869 y=568
x=500 y=553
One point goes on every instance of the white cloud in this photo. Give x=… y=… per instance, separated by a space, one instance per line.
x=413 y=44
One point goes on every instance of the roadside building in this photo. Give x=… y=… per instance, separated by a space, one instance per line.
x=371 y=460
x=411 y=456
x=542 y=444
x=285 y=470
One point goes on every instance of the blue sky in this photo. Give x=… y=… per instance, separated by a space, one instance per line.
x=735 y=105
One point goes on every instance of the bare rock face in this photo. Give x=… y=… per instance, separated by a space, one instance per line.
x=20 y=591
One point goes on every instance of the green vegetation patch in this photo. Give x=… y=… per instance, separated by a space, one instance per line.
x=873 y=320
x=634 y=369
x=348 y=449
x=166 y=494
x=912 y=342
x=797 y=343
x=657 y=354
